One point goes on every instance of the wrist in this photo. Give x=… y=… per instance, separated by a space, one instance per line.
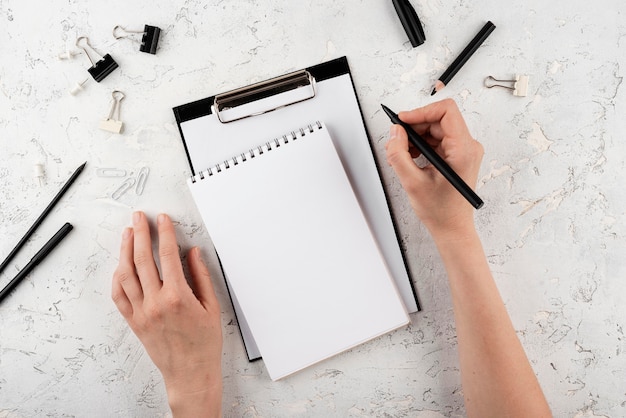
x=204 y=403
x=195 y=397
x=456 y=242
x=453 y=233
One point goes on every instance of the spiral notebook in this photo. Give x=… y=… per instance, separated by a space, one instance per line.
x=214 y=128
x=297 y=250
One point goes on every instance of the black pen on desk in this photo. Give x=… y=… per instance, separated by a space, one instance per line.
x=45 y=213
x=438 y=162
x=38 y=258
x=463 y=57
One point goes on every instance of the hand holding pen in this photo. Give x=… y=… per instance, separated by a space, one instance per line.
x=436 y=202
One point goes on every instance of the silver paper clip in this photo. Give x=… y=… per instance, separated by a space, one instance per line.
x=124 y=187
x=101 y=68
x=520 y=84
x=149 y=38
x=112 y=122
x=142 y=177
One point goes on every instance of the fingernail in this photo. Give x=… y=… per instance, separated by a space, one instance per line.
x=136 y=217
x=161 y=219
x=198 y=254
x=393 y=131
x=126 y=233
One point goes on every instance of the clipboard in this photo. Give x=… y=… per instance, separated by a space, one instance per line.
x=215 y=128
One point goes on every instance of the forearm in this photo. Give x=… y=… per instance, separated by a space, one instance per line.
x=496 y=375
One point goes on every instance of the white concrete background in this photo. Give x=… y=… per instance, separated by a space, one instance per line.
x=553 y=223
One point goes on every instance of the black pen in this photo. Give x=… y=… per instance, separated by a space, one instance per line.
x=463 y=57
x=45 y=213
x=438 y=162
x=38 y=258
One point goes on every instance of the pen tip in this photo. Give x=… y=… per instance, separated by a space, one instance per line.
x=388 y=111
x=433 y=92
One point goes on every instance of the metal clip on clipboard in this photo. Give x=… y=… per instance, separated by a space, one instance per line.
x=266 y=96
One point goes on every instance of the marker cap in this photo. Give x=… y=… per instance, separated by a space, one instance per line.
x=410 y=22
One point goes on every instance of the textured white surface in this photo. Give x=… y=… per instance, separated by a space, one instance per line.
x=553 y=223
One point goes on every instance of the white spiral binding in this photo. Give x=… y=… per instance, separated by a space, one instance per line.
x=254 y=152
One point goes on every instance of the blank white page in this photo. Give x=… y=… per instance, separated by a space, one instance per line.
x=298 y=252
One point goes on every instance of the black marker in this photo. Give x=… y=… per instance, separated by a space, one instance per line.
x=38 y=258
x=438 y=162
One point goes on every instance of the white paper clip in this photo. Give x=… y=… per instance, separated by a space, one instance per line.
x=110 y=172
x=78 y=87
x=142 y=177
x=124 y=187
x=520 y=84
x=112 y=122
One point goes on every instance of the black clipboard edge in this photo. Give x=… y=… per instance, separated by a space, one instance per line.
x=232 y=303
x=188 y=112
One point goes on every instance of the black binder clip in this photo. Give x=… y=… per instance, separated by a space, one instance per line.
x=103 y=67
x=149 y=39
